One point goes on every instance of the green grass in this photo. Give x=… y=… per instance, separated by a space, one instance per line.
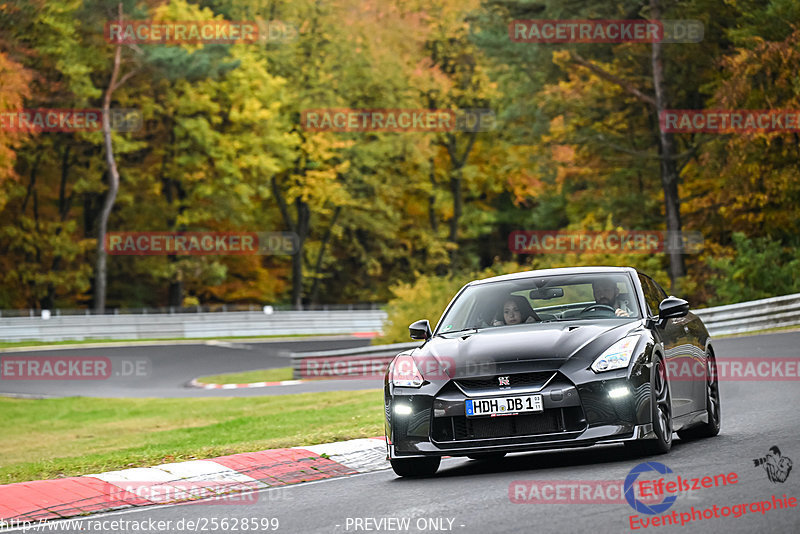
x=53 y=438
x=248 y=377
x=15 y=344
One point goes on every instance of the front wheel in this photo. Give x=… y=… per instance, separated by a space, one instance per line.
x=713 y=410
x=661 y=409
x=415 y=467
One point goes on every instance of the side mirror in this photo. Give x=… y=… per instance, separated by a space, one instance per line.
x=672 y=307
x=669 y=308
x=420 y=329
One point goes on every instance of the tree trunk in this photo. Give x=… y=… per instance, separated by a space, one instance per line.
x=666 y=146
x=669 y=169
x=303 y=218
x=458 y=201
x=113 y=185
x=299 y=227
x=457 y=162
x=322 y=247
x=432 y=199
x=175 y=296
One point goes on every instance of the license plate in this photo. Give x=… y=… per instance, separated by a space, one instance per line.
x=504 y=405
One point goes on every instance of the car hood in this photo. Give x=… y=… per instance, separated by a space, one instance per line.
x=519 y=348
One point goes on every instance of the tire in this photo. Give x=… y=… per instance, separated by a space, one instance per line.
x=487 y=456
x=415 y=467
x=661 y=413
x=713 y=408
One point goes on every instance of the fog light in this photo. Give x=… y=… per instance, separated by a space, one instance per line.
x=402 y=409
x=619 y=392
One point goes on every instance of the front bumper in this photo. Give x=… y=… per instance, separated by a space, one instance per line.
x=578 y=412
x=597 y=436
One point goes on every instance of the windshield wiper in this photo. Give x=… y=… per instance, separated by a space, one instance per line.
x=472 y=329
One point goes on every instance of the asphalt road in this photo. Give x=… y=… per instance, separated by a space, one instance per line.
x=467 y=496
x=165 y=370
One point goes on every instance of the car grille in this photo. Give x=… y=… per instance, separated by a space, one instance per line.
x=517 y=381
x=461 y=428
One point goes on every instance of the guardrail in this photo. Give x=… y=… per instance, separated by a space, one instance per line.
x=752 y=316
x=721 y=320
x=190 y=325
x=212 y=308
x=371 y=362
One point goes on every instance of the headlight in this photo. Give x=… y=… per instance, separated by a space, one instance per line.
x=617 y=356
x=405 y=372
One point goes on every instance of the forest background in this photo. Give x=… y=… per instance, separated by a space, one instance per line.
x=404 y=217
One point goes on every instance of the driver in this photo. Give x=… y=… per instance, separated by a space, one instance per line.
x=606 y=293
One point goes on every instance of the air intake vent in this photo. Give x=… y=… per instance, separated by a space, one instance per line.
x=527 y=381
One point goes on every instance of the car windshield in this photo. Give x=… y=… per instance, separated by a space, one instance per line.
x=542 y=299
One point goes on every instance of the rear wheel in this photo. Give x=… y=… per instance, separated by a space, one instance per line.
x=661 y=409
x=487 y=456
x=415 y=467
x=713 y=409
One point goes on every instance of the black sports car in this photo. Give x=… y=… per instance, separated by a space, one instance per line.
x=550 y=359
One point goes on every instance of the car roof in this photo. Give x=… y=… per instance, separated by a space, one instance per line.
x=554 y=272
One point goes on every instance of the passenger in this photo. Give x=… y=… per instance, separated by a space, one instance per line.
x=516 y=310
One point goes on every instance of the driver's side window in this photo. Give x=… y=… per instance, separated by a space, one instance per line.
x=651 y=294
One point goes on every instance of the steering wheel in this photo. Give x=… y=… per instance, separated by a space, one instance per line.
x=592 y=306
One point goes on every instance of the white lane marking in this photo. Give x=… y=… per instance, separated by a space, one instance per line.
x=228 y=344
x=194 y=383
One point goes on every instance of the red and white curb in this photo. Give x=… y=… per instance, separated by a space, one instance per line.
x=232 y=479
x=361 y=455
x=195 y=384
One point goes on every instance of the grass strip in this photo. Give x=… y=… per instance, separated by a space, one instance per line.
x=54 y=438
x=248 y=377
